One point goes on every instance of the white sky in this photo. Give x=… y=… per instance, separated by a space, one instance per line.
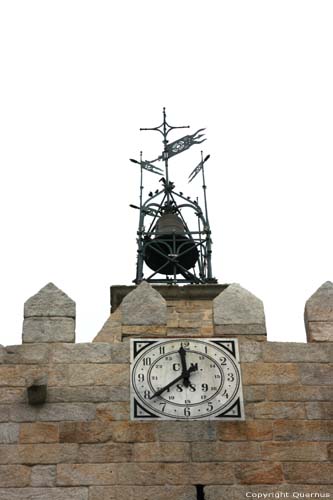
x=78 y=79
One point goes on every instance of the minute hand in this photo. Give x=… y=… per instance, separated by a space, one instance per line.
x=191 y=369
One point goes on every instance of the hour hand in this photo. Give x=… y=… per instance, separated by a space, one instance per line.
x=182 y=354
x=186 y=372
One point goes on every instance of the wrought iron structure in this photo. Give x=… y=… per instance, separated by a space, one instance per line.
x=173 y=251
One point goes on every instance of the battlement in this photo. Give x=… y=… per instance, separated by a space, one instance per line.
x=66 y=432
x=192 y=310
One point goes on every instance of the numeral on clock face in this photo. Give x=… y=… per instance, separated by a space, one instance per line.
x=185 y=379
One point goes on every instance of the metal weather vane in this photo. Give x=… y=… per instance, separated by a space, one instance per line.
x=184 y=143
x=167 y=245
x=198 y=168
x=146 y=165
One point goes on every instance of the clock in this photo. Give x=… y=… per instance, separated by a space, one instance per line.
x=186 y=379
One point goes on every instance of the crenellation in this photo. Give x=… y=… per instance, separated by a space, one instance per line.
x=49 y=316
x=50 y=301
x=237 y=311
x=144 y=306
x=318 y=314
x=81 y=444
x=36 y=330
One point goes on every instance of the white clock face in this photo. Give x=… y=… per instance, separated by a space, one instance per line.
x=185 y=379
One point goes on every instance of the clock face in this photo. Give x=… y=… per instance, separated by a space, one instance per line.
x=186 y=379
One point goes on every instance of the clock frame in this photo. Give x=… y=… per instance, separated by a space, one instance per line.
x=185 y=379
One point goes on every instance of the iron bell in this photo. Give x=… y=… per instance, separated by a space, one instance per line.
x=170 y=251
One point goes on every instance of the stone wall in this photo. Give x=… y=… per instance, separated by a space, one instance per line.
x=80 y=444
